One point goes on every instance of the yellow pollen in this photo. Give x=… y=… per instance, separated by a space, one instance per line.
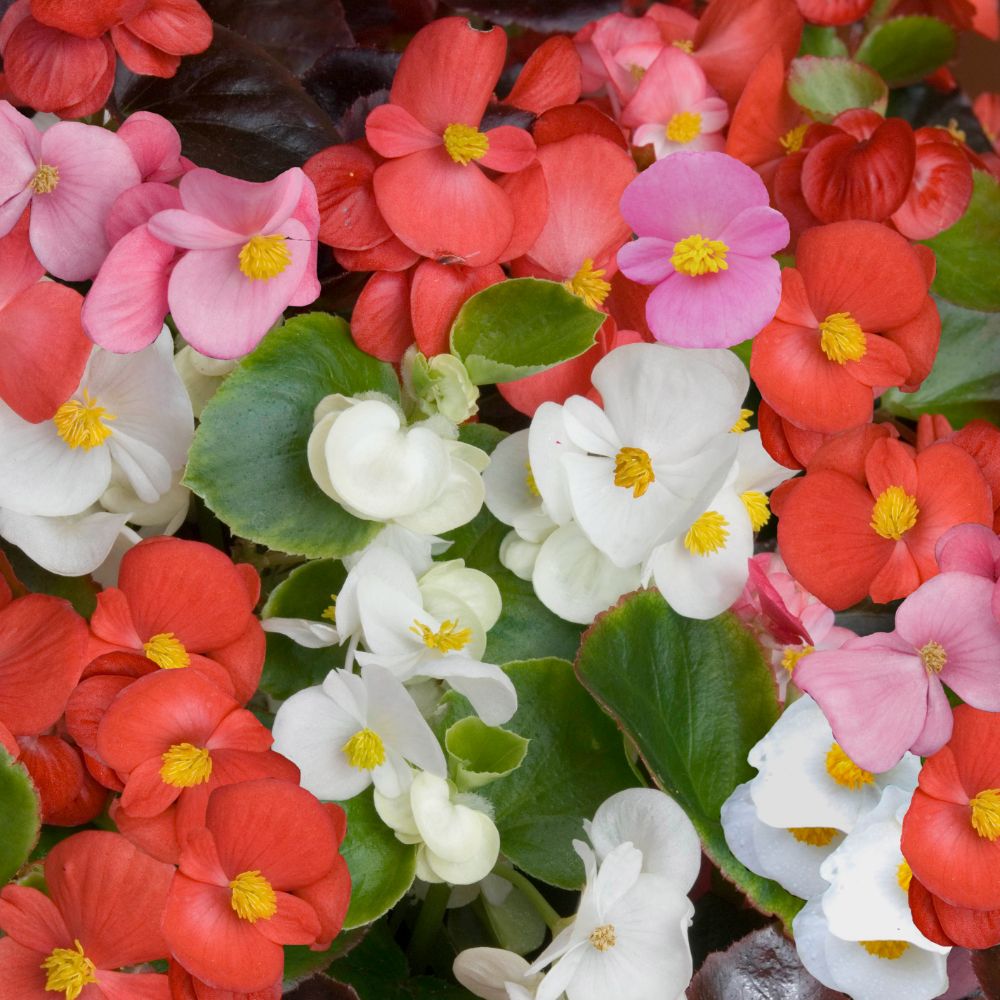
x=68 y=970
x=696 y=256
x=634 y=471
x=792 y=655
x=464 y=143
x=904 y=876
x=885 y=949
x=933 y=657
x=167 y=651
x=685 y=45
x=637 y=72
x=954 y=131
x=330 y=613
x=529 y=480
x=756 y=505
x=448 y=637
x=842 y=339
x=684 y=126
x=588 y=284
x=894 y=513
x=264 y=257
x=365 y=750
x=814 y=836
x=603 y=937
x=46 y=179
x=844 y=771
x=743 y=424
x=707 y=535
x=792 y=140
x=81 y=425
x=253 y=897
x=985 y=816
x=185 y=765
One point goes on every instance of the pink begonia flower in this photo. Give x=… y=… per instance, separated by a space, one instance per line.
x=883 y=693
x=155 y=146
x=706 y=236
x=674 y=108
x=70 y=175
x=227 y=264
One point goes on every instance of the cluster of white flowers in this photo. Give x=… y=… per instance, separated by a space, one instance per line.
x=657 y=485
x=829 y=831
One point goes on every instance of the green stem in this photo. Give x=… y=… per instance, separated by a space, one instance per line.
x=429 y=922
x=527 y=888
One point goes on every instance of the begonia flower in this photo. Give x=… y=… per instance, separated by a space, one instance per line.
x=706 y=236
x=264 y=871
x=70 y=176
x=102 y=913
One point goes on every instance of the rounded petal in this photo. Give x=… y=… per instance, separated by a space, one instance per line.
x=244 y=207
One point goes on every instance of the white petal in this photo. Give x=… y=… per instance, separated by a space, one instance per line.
x=459 y=500
x=310 y=634
x=488 y=688
x=396 y=813
x=757 y=470
x=508 y=496
x=147 y=471
x=393 y=777
x=483 y=971
x=519 y=555
x=547 y=442
x=589 y=428
x=382 y=563
x=471 y=587
x=70 y=546
x=387 y=616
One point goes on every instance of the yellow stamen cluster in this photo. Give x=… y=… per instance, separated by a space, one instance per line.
x=684 y=126
x=985 y=814
x=844 y=771
x=68 y=970
x=81 y=425
x=529 y=480
x=167 y=651
x=46 y=179
x=743 y=424
x=696 y=255
x=447 y=638
x=684 y=44
x=603 y=937
x=894 y=513
x=185 y=765
x=708 y=534
x=330 y=612
x=958 y=134
x=842 y=339
x=890 y=950
x=904 y=876
x=253 y=898
x=634 y=471
x=364 y=750
x=264 y=257
x=791 y=141
x=588 y=284
x=933 y=657
x=757 y=507
x=814 y=836
x=792 y=655
x=637 y=72
x=464 y=143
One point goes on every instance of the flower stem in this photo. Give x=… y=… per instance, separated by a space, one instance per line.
x=527 y=888
x=428 y=925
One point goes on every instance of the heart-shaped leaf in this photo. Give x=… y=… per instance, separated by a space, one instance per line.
x=825 y=86
x=905 y=49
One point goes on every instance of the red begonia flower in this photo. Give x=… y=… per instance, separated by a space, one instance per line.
x=69 y=796
x=949 y=925
x=264 y=871
x=102 y=913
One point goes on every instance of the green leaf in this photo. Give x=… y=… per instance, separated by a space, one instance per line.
x=301 y=961
x=480 y=754
x=20 y=816
x=381 y=868
x=520 y=327
x=694 y=697
x=826 y=86
x=818 y=41
x=575 y=761
x=306 y=593
x=248 y=459
x=965 y=381
x=968 y=254
x=906 y=49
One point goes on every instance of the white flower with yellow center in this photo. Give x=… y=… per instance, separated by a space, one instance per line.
x=353 y=731
x=638 y=471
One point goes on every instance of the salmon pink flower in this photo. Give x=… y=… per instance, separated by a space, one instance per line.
x=102 y=913
x=706 y=236
x=264 y=871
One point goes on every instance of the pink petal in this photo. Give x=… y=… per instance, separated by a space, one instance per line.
x=155 y=146
x=392 y=131
x=757 y=231
x=240 y=206
x=511 y=149
x=136 y=206
x=969 y=548
x=939 y=723
x=192 y=232
x=673 y=83
x=647 y=260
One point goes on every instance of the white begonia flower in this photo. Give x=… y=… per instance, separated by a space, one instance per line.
x=453 y=590
x=576 y=580
x=362 y=454
x=458 y=843
x=867 y=969
x=353 y=731
x=653 y=823
x=703 y=570
x=130 y=414
x=638 y=471
x=201 y=375
x=628 y=939
x=511 y=493
x=495 y=974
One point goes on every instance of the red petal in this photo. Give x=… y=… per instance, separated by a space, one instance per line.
x=549 y=78
x=939 y=192
x=899 y=577
x=392 y=131
x=380 y=323
x=156 y=835
x=774 y=438
x=919 y=340
x=83 y=20
x=32 y=919
x=560 y=123
x=846 y=452
x=133 y=985
x=242 y=660
x=890 y=463
x=141 y=57
x=529 y=197
x=391 y=255
x=786 y=188
x=69 y=795
x=329 y=897
x=437 y=294
x=833 y=12
x=884 y=364
x=295 y=922
x=19 y=268
x=511 y=149
x=179 y=27
x=924 y=914
x=975 y=745
x=981 y=440
x=146 y=794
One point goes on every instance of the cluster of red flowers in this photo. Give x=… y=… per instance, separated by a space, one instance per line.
x=221 y=857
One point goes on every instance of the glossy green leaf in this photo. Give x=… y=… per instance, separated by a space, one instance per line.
x=968 y=254
x=520 y=327
x=575 y=761
x=20 y=817
x=965 y=381
x=906 y=49
x=694 y=697
x=825 y=86
x=248 y=459
x=821 y=41
x=479 y=754
x=301 y=961
x=381 y=868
